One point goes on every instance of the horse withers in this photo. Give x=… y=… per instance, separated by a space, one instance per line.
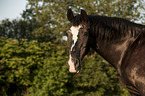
x=119 y=41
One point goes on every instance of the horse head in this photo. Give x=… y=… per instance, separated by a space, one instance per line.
x=78 y=39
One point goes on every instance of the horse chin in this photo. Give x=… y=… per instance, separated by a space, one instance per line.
x=72 y=71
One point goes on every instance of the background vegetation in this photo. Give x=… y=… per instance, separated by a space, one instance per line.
x=33 y=51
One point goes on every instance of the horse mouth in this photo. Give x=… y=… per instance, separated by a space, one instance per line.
x=73 y=71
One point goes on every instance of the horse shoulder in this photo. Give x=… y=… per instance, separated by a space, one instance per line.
x=133 y=64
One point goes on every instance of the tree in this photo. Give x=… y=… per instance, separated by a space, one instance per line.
x=17 y=29
x=52 y=13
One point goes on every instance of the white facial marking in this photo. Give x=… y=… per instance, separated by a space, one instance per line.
x=75 y=31
x=71 y=65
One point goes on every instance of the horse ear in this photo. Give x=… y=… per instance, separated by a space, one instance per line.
x=84 y=16
x=70 y=15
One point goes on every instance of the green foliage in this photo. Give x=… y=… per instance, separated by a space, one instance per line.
x=18 y=29
x=29 y=63
x=20 y=61
x=53 y=76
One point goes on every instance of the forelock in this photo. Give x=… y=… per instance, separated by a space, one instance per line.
x=76 y=21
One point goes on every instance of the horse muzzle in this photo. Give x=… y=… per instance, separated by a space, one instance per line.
x=73 y=71
x=74 y=67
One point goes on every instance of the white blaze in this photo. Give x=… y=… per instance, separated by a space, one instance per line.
x=71 y=65
x=74 y=31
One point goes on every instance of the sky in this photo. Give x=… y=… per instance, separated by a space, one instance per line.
x=11 y=8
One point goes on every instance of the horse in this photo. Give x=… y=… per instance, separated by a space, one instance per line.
x=119 y=41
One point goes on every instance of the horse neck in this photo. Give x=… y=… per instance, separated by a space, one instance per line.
x=114 y=50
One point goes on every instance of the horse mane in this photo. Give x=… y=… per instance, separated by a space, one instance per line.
x=109 y=28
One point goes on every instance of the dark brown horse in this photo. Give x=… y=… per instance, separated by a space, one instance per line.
x=119 y=41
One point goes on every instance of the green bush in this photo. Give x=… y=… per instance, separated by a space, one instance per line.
x=39 y=69
x=20 y=62
x=52 y=77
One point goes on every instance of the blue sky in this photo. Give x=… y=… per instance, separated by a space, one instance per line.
x=11 y=8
